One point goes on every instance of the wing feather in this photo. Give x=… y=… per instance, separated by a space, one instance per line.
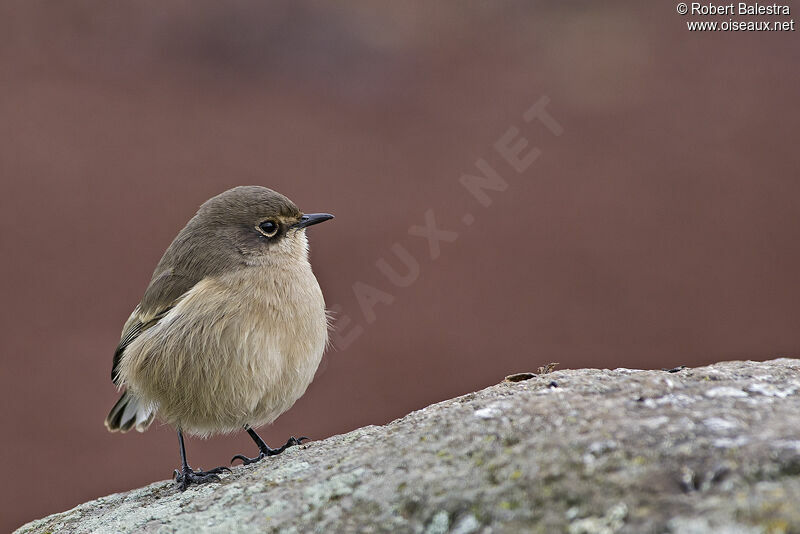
x=163 y=293
x=179 y=270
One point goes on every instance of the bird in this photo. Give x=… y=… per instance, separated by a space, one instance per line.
x=230 y=330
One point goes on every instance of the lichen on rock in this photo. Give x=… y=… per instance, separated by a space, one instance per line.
x=711 y=449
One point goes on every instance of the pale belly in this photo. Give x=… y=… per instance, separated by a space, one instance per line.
x=232 y=353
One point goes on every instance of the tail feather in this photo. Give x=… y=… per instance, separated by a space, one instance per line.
x=129 y=411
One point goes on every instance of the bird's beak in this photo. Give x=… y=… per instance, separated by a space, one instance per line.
x=310 y=219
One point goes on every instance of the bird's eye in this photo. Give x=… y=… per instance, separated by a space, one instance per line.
x=269 y=228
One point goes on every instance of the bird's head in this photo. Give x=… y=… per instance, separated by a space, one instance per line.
x=256 y=224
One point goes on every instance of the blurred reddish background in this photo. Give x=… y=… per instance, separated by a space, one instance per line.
x=661 y=228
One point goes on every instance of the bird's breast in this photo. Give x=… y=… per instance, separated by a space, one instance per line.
x=238 y=349
x=282 y=325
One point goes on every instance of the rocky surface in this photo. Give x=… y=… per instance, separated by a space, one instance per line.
x=711 y=449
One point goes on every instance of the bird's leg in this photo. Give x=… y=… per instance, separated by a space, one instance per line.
x=187 y=476
x=264 y=449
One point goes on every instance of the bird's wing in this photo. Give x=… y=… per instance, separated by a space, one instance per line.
x=164 y=292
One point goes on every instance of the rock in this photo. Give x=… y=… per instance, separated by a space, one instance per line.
x=713 y=449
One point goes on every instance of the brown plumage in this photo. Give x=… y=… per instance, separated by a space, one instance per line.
x=232 y=327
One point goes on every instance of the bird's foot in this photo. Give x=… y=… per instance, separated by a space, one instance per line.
x=186 y=476
x=266 y=451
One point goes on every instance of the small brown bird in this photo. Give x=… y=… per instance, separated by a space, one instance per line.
x=230 y=330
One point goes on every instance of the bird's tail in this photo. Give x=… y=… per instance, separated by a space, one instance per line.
x=129 y=411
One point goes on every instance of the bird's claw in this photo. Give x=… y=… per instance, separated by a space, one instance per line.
x=247 y=461
x=186 y=476
x=291 y=442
